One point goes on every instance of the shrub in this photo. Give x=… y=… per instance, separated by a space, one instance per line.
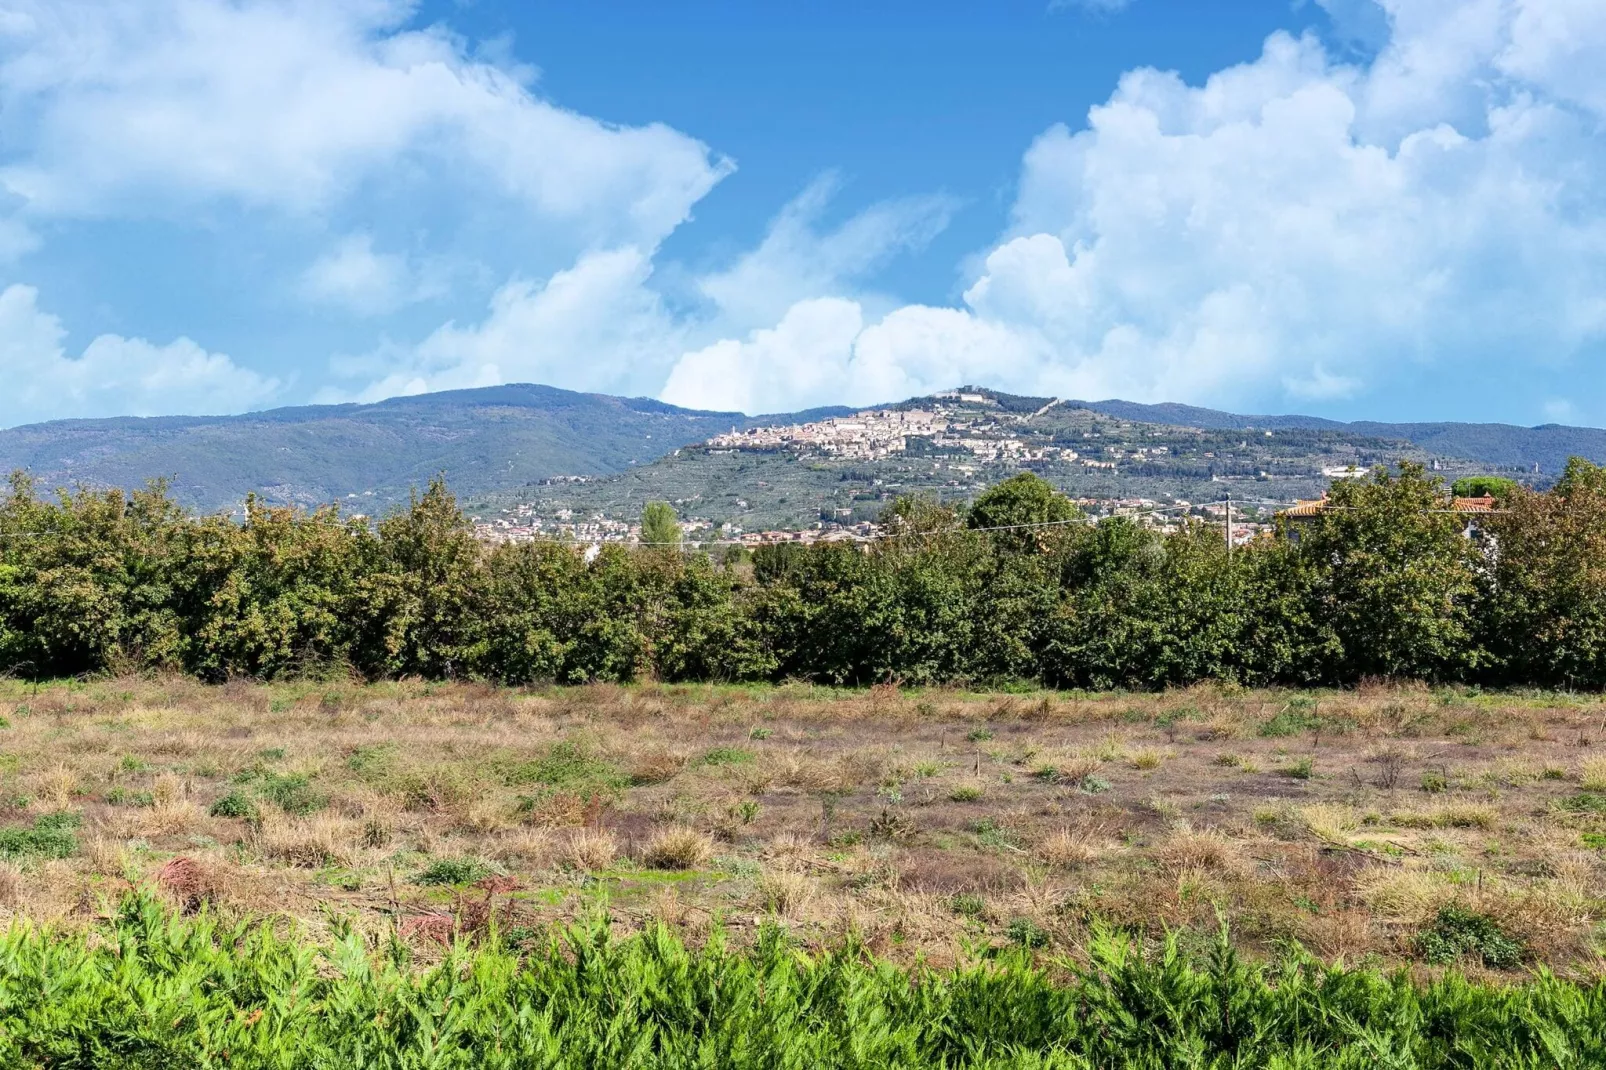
x=590 y=849
x=678 y=847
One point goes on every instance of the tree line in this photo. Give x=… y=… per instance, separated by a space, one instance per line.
x=1386 y=583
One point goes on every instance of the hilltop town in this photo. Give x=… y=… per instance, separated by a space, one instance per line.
x=830 y=478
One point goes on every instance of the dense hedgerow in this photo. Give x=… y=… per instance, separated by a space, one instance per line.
x=156 y=990
x=1387 y=583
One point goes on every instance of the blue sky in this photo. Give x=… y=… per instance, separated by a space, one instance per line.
x=1354 y=208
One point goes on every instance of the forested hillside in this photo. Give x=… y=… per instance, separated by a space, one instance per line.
x=1498 y=445
x=497 y=444
x=367 y=455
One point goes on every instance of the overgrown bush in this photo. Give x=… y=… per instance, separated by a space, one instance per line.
x=1387 y=583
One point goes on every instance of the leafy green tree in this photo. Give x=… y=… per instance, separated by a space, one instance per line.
x=1497 y=487
x=1396 y=578
x=659 y=526
x=1017 y=503
x=280 y=591
x=420 y=592
x=92 y=581
x=1546 y=618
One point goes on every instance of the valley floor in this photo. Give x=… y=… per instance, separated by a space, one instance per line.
x=1401 y=825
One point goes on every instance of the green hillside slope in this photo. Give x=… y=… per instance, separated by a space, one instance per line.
x=497 y=446
x=366 y=455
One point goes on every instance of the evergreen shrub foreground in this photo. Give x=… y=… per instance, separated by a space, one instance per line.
x=153 y=989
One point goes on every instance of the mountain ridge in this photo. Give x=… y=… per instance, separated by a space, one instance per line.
x=1506 y=445
x=489 y=439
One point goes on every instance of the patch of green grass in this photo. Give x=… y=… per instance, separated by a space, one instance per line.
x=1585 y=802
x=1024 y=932
x=1458 y=933
x=449 y=871
x=979 y=735
x=234 y=804
x=727 y=756
x=567 y=767
x=50 y=836
x=775 y=1004
x=292 y=793
x=990 y=833
x=1300 y=769
x=373 y=760
x=967 y=904
x=1290 y=722
x=966 y=793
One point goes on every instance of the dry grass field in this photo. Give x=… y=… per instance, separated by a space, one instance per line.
x=930 y=823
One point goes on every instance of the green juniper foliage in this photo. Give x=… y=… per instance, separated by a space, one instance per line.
x=155 y=990
x=1386 y=583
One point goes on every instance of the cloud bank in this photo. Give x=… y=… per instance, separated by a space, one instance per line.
x=1299 y=230
x=1295 y=230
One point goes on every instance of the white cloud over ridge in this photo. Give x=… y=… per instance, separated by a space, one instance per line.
x=1295 y=229
x=324 y=115
x=602 y=325
x=114 y=376
x=1298 y=230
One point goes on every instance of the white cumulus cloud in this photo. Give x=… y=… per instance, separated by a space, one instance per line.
x=1296 y=228
x=602 y=324
x=595 y=326
x=352 y=275
x=113 y=376
x=293 y=105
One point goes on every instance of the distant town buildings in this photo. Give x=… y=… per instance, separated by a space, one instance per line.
x=863 y=436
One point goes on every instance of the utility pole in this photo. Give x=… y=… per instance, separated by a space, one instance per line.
x=1229 y=525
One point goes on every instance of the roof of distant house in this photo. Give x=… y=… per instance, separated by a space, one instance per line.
x=1318 y=506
